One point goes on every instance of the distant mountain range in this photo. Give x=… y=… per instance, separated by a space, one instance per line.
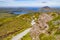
x=18 y=9
x=26 y=9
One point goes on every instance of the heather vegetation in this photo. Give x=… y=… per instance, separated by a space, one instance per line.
x=12 y=24
x=53 y=31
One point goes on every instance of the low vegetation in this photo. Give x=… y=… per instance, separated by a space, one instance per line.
x=54 y=27
x=11 y=26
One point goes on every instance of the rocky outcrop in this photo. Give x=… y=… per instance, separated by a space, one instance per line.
x=40 y=26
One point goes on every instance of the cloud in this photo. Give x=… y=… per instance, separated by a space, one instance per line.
x=25 y=0
x=29 y=3
x=7 y=0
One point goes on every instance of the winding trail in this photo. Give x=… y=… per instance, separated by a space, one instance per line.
x=19 y=36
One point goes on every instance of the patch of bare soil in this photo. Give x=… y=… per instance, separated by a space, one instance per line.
x=40 y=26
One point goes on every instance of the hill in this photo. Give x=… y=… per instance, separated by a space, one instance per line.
x=53 y=32
x=49 y=9
x=14 y=24
x=6 y=15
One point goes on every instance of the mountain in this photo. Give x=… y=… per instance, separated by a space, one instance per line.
x=12 y=24
x=53 y=32
x=19 y=9
x=47 y=9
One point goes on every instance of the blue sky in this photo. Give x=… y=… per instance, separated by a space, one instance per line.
x=29 y=3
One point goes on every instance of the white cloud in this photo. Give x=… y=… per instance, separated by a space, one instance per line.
x=6 y=0
x=36 y=3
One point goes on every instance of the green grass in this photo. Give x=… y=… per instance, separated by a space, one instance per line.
x=27 y=37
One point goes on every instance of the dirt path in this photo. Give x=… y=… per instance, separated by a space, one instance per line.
x=19 y=36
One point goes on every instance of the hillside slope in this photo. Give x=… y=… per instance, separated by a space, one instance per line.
x=53 y=31
x=14 y=25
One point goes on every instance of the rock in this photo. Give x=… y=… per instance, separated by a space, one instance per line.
x=40 y=26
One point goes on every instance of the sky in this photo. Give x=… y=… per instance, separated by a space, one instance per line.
x=29 y=3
